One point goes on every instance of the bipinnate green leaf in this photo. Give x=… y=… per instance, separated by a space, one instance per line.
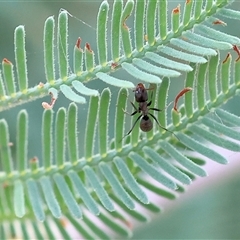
x=114 y=81
x=67 y=196
x=98 y=230
x=221 y=128
x=22 y=140
x=116 y=185
x=20 y=58
x=195 y=49
x=175 y=19
x=207 y=42
x=120 y=118
x=91 y=127
x=35 y=199
x=50 y=198
x=184 y=161
x=81 y=229
x=219 y=36
x=143 y=76
x=60 y=135
x=188 y=8
x=78 y=58
x=126 y=40
x=202 y=149
x=182 y=55
x=86 y=197
x=151 y=171
x=18 y=199
x=155 y=189
x=62 y=38
x=78 y=86
x=71 y=95
x=115 y=29
x=59 y=225
x=215 y=139
x=38 y=234
x=167 y=62
x=133 y=213
x=225 y=74
x=72 y=136
x=150 y=21
x=201 y=85
x=24 y=231
x=229 y=13
x=130 y=181
x=98 y=188
x=153 y=69
x=5 y=151
x=102 y=32
x=48 y=44
x=116 y=227
x=103 y=121
x=111 y=176
x=8 y=75
x=169 y=168
x=47 y=138
x=139 y=25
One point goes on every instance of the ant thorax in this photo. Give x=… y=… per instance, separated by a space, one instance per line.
x=143 y=107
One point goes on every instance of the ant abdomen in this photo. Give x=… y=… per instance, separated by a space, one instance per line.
x=146 y=124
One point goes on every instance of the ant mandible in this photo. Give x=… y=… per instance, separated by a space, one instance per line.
x=141 y=96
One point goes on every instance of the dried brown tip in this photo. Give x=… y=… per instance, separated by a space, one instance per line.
x=63 y=222
x=6 y=61
x=40 y=85
x=176 y=10
x=51 y=104
x=188 y=1
x=88 y=47
x=124 y=22
x=33 y=160
x=47 y=106
x=180 y=94
x=236 y=49
x=227 y=57
x=114 y=65
x=219 y=22
x=78 y=43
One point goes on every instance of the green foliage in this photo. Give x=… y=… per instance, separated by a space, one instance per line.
x=74 y=184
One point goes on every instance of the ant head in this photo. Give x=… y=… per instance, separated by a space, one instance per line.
x=146 y=124
x=141 y=94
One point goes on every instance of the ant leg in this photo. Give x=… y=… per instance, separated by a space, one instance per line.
x=131 y=114
x=134 y=106
x=132 y=127
x=150 y=100
x=155 y=109
x=162 y=126
x=159 y=110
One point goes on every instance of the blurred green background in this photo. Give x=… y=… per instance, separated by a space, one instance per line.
x=211 y=207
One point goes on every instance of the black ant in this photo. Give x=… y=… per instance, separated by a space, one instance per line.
x=141 y=96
